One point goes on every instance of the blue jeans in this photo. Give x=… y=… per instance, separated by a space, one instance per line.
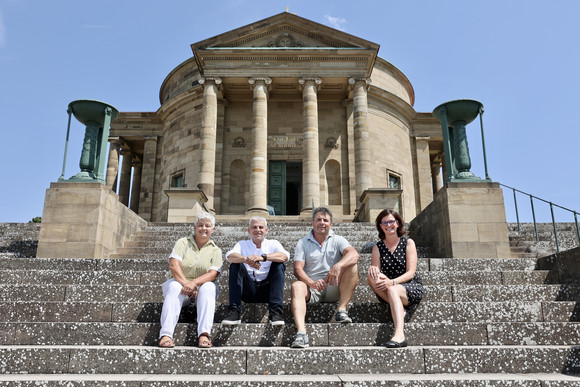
x=244 y=288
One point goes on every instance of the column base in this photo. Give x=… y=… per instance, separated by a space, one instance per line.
x=257 y=211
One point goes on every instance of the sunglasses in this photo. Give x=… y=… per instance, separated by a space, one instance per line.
x=389 y=223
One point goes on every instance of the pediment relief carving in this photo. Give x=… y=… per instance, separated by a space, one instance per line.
x=285 y=36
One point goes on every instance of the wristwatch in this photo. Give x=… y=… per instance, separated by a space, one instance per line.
x=265 y=257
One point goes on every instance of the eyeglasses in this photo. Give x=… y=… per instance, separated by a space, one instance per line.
x=389 y=223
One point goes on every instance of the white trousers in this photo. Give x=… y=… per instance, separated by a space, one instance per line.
x=173 y=301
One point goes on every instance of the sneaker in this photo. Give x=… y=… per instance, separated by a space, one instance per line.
x=342 y=317
x=276 y=318
x=300 y=341
x=233 y=318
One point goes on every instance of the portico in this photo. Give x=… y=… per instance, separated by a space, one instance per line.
x=285 y=113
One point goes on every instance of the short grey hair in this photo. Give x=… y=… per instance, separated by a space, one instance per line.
x=324 y=210
x=205 y=215
x=257 y=219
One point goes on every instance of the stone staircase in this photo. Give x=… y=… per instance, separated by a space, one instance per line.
x=19 y=239
x=523 y=242
x=482 y=322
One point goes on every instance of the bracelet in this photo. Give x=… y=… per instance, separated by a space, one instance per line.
x=394 y=282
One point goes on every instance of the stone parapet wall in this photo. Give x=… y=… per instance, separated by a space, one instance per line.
x=84 y=220
x=465 y=220
x=565 y=264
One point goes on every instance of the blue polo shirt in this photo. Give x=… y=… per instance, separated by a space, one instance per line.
x=318 y=259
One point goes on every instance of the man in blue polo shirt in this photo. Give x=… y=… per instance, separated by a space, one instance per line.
x=326 y=267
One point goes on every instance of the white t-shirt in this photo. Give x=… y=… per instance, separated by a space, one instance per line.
x=247 y=247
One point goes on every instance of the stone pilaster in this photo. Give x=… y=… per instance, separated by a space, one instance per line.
x=311 y=162
x=148 y=178
x=125 y=185
x=353 y=199
x=206 y=177
x=136 y=186
x=259 y=162
x=113 y=163
x=361 y=135
x=423 y=172
x=218 y=192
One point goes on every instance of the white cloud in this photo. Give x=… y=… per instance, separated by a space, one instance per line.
x=335 y=22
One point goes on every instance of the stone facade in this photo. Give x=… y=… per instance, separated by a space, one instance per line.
x=283 y=112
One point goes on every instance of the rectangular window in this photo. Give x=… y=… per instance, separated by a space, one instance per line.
x=393 y=180
x=177 y=180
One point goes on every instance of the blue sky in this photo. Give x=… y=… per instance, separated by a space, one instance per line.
x=519 y=58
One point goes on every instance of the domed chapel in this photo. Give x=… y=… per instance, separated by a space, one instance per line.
x=278 y=116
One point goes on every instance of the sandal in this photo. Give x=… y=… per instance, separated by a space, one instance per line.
x=204 y=341
x=166 y=342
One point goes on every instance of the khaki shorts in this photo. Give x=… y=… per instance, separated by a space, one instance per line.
x=330 y=294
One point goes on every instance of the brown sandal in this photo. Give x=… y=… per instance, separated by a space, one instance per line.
x=166 y=342
x=204 y=341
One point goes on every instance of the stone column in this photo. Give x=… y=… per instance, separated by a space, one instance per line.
x=311 y=162
x=436 y=175
x=148 y=178
x=113 y=163
x=259 y=162
x=362 y=150
x=423 y=172
x=206 y=177
x=136 y=186
x=125 y=184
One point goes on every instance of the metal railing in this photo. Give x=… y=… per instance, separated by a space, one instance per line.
x=552 y=205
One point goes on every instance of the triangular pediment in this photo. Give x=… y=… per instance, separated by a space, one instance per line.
x=284 y=41
x=285 y=30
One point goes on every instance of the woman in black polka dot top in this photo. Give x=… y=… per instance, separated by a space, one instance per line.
x=392 y=273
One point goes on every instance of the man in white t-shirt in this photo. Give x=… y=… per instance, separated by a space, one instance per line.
x=326 y=267
x=257 y=269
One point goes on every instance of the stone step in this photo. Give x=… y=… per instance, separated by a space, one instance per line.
x=482 y=312
x=147 y=262
x=129 y=277
x=321 y=335
x=153 y=293
x=160 y=264
x=333 y=380
x=281 y=360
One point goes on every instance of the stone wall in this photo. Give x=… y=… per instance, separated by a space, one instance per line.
x=565 y=264
x=84 y=220
x=465 y=220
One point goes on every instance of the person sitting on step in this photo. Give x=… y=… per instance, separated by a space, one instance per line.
x=194 y=265
x=325 y=265
x=257 y=271
x=392 y=273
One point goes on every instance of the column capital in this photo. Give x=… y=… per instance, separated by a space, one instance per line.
x=254 y=80
x=216 y=80
x=317 y=81
x=353 y=81
x=150 y=138
x=115 y=140
x=422 y=138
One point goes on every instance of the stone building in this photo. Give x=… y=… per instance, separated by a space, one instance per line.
x=284 y=112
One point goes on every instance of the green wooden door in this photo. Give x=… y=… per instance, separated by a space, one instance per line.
x=277 y=186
